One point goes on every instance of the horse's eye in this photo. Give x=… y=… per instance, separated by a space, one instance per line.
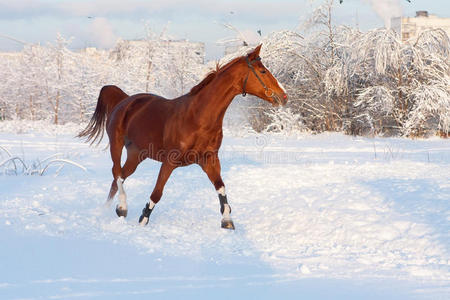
x=263 y=71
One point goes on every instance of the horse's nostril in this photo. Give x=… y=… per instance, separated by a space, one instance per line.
x=285 y=99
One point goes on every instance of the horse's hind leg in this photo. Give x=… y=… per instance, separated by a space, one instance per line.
x=115 y=147
x=116 y=153
x=112 y=192
x=128 y=168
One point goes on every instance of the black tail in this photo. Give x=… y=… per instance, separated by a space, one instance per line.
x=109 y=97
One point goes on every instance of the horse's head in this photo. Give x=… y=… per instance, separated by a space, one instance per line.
x=259 y=82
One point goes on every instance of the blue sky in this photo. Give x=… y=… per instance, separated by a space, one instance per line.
x=99 y=22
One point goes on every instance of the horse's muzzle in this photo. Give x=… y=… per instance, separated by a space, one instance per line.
x=279 y=100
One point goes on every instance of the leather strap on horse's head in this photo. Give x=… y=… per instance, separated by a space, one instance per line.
x=250 y=66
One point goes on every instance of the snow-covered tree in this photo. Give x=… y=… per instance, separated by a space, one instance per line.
x=339 y=78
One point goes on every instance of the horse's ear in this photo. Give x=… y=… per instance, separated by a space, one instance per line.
x=255 y=53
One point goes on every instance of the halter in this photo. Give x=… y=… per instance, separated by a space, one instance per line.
x=267 y=91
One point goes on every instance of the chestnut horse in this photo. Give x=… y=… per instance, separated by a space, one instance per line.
x=177 y=132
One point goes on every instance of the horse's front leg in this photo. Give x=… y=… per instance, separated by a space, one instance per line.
x=164 y=174
x=211 y=166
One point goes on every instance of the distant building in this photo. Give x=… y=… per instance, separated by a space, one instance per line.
x=94 y=52
x=195 y=50
x=91 y=51
x=10 y=55
x=411 y=27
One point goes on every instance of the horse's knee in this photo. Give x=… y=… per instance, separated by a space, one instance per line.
x=218 y=184
x=116 y=171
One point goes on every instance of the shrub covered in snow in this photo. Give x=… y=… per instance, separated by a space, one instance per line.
x=341 y=79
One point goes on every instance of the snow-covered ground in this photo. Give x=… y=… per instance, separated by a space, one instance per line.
x=317 y=217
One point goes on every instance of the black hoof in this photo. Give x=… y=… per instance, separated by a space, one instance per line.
x=143 y=221
x=227 y=224
x=121 y=212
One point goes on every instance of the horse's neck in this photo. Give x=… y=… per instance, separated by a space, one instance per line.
x=213 y=100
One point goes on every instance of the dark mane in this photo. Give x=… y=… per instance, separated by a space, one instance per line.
x=211 y=75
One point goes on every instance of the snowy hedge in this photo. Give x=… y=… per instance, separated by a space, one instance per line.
x=363 y=82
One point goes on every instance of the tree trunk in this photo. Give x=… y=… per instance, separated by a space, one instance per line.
x=147 y=84
x=31 y=108
x=56 y=108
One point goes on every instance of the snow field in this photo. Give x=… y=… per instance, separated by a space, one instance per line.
x=326 y=206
